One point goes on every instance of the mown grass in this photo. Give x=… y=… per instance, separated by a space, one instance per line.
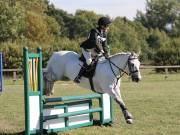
x=154 y=103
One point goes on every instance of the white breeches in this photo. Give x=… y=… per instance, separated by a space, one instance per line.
x=87 y=56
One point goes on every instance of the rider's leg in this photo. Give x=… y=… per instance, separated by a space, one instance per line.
x=87 y=56
x=78 y=77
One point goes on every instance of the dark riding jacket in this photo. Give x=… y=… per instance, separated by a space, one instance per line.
x=96 y=40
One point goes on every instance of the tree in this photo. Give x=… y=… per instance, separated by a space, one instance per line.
x=38 y=6
x=168 y=55
x=125 y=35
x=62 y=18
x=82 y=23
x=156 y=40
x=41 y=28
x=12 y=21
x=161 y=14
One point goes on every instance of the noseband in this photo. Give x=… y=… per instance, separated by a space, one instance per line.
x=131 y=71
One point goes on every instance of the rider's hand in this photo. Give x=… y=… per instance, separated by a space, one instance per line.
x=102 y=51
x=88 y=61
x=106 y=55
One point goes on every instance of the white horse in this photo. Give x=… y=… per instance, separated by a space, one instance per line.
x=106 y=78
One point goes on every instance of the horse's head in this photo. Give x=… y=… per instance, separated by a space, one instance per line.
x=133 y=67
x=48 y=84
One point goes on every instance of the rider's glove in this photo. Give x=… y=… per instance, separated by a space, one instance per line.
x=106 y=55
x=102 y=51
x=88 y=61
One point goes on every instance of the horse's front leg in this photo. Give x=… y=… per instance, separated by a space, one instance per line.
x=108 y=87
x=117 y=97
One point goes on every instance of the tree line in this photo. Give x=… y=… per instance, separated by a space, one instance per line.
x=34 y=23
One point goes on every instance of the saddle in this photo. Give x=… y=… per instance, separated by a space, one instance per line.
x=89 y=70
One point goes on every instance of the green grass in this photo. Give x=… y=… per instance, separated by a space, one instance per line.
x=154 y=103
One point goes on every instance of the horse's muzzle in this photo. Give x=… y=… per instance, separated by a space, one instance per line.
x=136 y=79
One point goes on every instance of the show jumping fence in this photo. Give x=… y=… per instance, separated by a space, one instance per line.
x=61 y=113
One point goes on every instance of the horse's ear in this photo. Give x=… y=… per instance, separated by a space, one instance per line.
x=138 y=53
x=133 y=54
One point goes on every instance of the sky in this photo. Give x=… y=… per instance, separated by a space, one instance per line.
x=113 y=8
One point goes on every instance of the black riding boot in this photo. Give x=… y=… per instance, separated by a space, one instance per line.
x=81 y=72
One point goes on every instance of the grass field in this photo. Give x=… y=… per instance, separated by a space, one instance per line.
x=154 y=103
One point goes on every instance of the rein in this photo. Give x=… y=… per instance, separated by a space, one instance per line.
x=130 y=68
x=120 y=69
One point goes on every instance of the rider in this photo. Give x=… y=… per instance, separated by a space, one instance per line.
x=95 y=44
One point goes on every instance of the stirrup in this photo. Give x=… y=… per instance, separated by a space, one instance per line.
x=76 y=80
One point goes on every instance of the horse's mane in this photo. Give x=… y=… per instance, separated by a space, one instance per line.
x=122 y=53
x=125 y=53
x=114 y=55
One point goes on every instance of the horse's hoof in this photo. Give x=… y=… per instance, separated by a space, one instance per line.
x=129 y=121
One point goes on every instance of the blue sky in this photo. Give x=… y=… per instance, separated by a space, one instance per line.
x=113 y=8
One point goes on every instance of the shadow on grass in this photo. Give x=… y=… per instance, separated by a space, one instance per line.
x=98 y=123
x=23 y=133
x=95 y=123
x=19 y=133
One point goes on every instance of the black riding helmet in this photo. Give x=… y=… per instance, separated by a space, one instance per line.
x=104 y=21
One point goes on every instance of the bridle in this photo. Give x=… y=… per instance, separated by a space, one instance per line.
x=128 y=63
x=131 y=71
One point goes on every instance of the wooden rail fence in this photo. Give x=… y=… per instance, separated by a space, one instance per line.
x=14 y=72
